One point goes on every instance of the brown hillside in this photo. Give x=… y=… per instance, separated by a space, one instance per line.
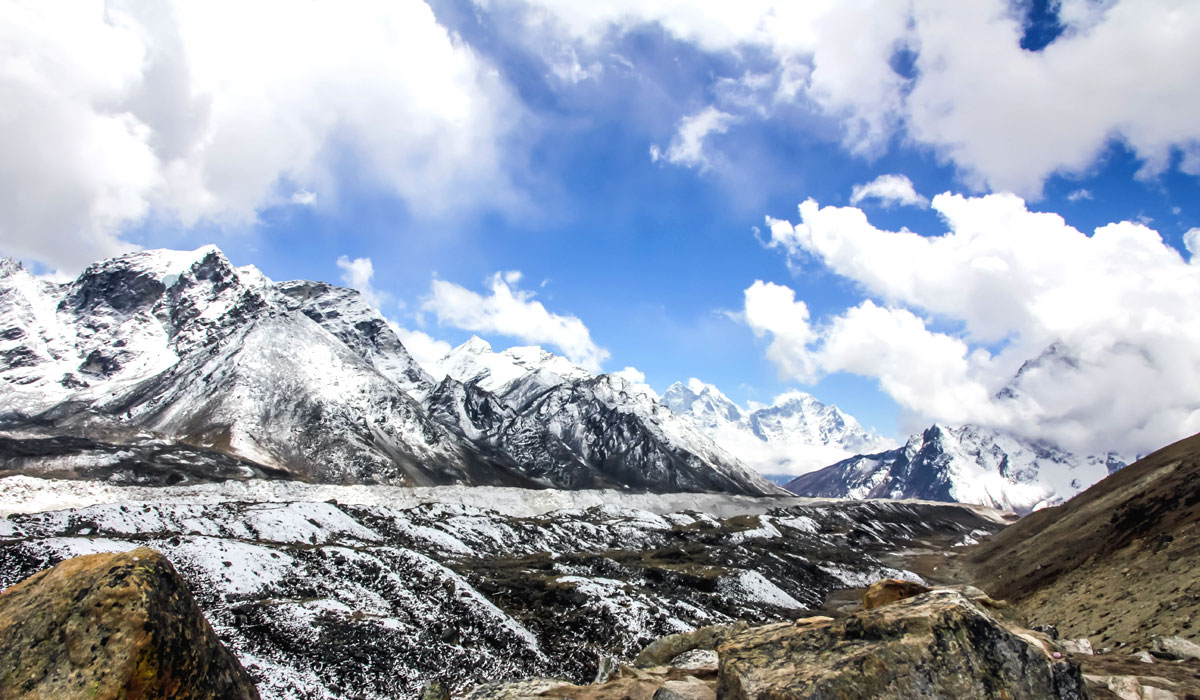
x=1118 y=563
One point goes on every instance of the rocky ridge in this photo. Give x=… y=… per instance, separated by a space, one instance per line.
x=966 y=464
x=796 y=433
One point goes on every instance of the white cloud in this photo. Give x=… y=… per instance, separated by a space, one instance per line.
x=1191 y=241
x=303 y=198
x=1008 y=118
x=632 y=375
x=358 y=274
x=214 y=110
x=1105 y=325
x=515 y=313
x=425 y=349
x=889 y=190
x=687 y=145
x=1079 y=195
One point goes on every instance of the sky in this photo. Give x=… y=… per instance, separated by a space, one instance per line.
x=920 y=210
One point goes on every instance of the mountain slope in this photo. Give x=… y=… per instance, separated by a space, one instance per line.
x=567 y=426
x=966 y=464
x=307 y=378
x=1119 y=562
x=797 y=433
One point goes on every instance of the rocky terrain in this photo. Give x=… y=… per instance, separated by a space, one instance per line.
x=333 y=599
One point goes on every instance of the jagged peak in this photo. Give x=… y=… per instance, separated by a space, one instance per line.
x=10 y=266
x=474 y=346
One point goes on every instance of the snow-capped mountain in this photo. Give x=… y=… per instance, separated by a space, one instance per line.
x=569 y=426
x=797 y=433
x=968 y=464
x=306 y=378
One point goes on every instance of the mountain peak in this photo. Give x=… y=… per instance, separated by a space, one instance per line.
x=474 y=346
x=10 y=266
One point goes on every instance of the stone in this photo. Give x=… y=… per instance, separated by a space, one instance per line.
x=889 y=590
x=1174 y=648
x=686 y=689
x=662 y=650
x=112 y=627
x=1143 y=656
x=938 y=644
x=1076 y=646
x=697 y=660
x=1133 y=687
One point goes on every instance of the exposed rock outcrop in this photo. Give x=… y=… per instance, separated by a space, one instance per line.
x=112 y=626
x=937 y=644
x=889 y=590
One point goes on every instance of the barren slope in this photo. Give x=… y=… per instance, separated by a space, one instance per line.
x=1117 y=563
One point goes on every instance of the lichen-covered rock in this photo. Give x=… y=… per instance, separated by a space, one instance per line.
x=112 y=627
x=889 y=590
x=935 y=645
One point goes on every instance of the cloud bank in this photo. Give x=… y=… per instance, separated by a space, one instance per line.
x=117 y=111
x=1011 y=319
x=945 y=74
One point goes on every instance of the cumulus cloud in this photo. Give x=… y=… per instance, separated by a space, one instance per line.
x=889 y=190
x=1011 y=319
x=687 y=146
x=117 y=111
x=425 y=349
x=1008 y=118
x=358 y=274
x=1079 y=195
x=512 y=312
x=1191 y=241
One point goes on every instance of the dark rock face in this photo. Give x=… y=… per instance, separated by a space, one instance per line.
x=112 y=626
x=936 y=645
x=139 y=462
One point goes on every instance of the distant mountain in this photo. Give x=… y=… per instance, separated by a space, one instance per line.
x=306 y=378
x=570 y=427
x=797 y=433
x=968 y=464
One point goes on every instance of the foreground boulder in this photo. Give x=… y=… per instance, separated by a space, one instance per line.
x=112 y=626
x=934 y=645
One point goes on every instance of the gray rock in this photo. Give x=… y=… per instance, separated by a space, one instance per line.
x=1175 y=648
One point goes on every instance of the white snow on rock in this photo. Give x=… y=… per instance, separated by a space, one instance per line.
x=754 y=587
x=794 y=435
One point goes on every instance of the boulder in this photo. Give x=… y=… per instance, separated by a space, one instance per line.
x=889 y=590
x=662 y=650
x=112 y=627
x=1175 y=648
x=935 y=645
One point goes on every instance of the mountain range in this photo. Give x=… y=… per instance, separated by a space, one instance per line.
x=305 y=380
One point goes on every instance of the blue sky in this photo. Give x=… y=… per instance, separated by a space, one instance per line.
x=456 y=140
